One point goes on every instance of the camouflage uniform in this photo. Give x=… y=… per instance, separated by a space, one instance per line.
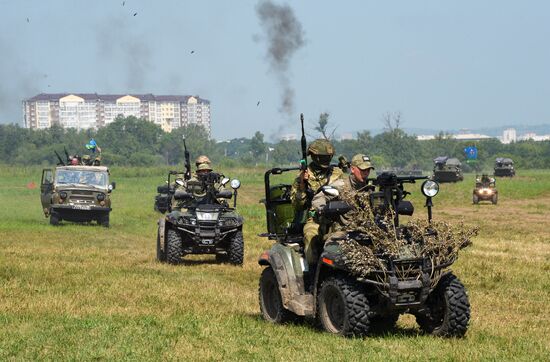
x=319 y=175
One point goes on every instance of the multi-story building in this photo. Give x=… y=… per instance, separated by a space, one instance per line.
x=509 y=135
x=92 y=110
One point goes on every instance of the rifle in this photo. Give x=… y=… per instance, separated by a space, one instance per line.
x=67 y=154
x=303 y=161
x=187 y=161
x=59 y=158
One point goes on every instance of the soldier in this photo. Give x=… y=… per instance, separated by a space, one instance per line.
x=305 y=192
x=360 y=170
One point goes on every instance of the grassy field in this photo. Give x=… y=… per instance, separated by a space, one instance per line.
x=84 y=292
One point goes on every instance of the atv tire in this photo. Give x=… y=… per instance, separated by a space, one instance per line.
x=271 y=303
x=174 y=247
x=475 y=199
x=235 y=252
x=343 y=307
x=54 y=218
x=161 y=255
x=494 y=199
x=448 y=309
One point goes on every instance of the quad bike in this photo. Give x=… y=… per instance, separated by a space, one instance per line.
x=202 y=222
x=329 y=292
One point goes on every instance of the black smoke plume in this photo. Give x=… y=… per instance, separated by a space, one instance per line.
x=284 y=36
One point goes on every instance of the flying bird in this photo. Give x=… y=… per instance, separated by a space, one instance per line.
x=28 y=21
x=135 y=14
x=192 y=51
x=257 y=104
x=124 y=2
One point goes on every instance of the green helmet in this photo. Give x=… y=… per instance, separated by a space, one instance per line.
x=321 y=147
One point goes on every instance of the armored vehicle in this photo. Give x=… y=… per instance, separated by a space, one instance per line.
x=485 y=190
x=504 y=167
x=447 y=169
x=200 y=220
x=345 y=296
x=76 y=193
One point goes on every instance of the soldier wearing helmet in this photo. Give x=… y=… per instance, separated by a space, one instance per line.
x=306 y=195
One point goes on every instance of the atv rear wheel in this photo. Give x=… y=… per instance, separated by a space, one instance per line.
x=54 y=218
x=235 y=252
x=174 y=247
x=161 y=255
x=271 y=303
x=343 y=307
x=448 y=309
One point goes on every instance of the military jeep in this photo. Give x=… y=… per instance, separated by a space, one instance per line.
x=76 y=193
x=447 y=169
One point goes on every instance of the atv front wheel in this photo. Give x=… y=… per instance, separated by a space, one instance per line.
x=343 y=307
x=235 y=252
x=448 y=309
x=494 y=199
x=161 y=255
x=475 y=199
x=271 y=303
x=54 y=218
x=174 y=247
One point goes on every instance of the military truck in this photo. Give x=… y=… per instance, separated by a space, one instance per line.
x=76 y=193
x=485 y=190
x=408 y=280
x=447 y=169
x=504 y=167
x=200 y=220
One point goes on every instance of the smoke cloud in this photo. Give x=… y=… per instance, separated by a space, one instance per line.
x=284 y=37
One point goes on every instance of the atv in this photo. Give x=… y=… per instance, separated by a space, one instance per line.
x=331 y=293
x=201 y=222
x=485 y=190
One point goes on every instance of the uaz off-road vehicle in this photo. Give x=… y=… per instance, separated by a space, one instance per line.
x=447 y=169
x=485 y=190
x=200 y=221
x=331 y=291
x=504 y=167
x=76 y=193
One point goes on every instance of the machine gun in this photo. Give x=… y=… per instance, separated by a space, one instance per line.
x=60 y=163
x=303 y=161
x=187 y=161
x=391 y=194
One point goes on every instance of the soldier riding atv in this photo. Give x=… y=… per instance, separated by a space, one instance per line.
x=370 y=268
x=447 y=169
x=485 y=190
x=504 y=167
x=347 y=303
x=199 y=218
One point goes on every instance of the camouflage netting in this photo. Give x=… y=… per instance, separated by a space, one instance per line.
x=439 y=241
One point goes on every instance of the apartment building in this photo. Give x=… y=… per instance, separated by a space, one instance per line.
x=92 y=110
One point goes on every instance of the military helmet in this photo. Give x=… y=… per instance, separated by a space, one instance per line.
x=202 y=159
x=321 y=147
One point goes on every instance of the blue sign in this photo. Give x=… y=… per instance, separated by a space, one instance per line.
x=471 y=152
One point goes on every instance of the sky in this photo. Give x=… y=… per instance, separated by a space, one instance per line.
x=441 y=64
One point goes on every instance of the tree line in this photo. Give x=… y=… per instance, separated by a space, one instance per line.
x=133 y=142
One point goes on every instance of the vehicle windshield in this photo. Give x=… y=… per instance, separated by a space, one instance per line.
x=79 y=177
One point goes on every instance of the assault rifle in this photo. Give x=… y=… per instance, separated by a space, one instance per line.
x=187 y=175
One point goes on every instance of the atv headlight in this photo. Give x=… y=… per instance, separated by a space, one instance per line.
x=430 y=188
x=207 y=216
x=235 y=184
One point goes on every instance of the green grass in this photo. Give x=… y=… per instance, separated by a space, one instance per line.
x=83 y=292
